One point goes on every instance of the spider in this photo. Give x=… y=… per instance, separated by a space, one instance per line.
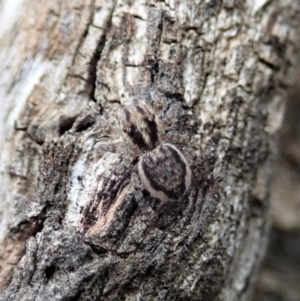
x=162 y=167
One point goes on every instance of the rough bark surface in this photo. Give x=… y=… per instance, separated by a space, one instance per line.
x=72 y=228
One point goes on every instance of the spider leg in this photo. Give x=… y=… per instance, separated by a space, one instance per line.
x=177 y=138
x=127 y=161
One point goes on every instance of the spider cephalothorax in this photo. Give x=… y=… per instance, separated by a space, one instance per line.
x=163 y=169
x=139 y=127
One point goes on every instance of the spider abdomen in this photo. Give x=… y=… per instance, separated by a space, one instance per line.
x=165 y=172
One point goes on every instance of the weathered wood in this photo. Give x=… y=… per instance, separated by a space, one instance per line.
x=72 y=227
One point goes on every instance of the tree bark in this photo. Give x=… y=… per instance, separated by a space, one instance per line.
x=74 y=229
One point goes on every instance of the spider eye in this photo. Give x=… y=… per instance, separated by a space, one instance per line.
x=125 y=129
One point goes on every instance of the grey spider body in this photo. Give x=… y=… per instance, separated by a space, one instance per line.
x=163 y=169
x=165 y=172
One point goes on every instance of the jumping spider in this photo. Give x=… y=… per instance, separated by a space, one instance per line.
x=163 y=169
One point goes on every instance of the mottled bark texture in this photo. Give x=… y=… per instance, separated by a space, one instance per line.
x=72 y=226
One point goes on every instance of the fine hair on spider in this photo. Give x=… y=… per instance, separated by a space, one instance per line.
x=162 y=167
